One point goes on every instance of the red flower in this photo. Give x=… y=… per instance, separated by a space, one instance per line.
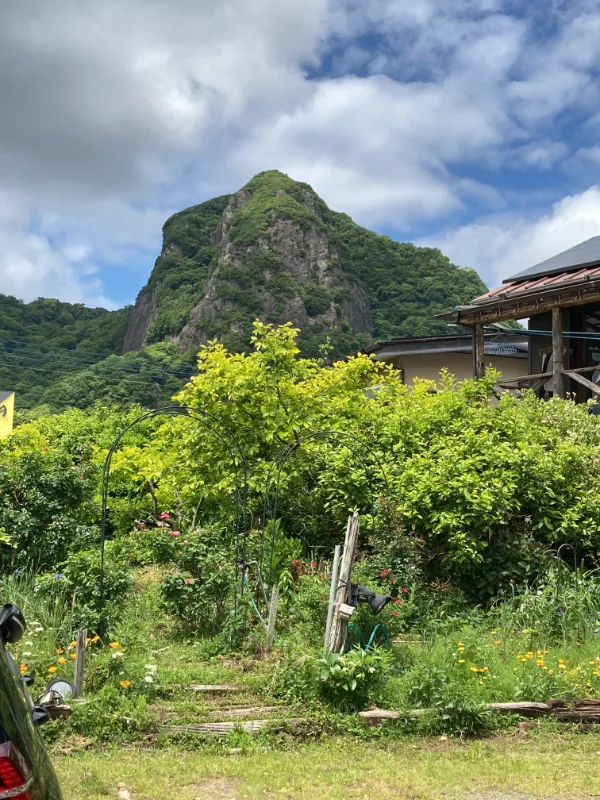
x=175 y=533
x=384 y=573
x=188 y=581
x=398 y=601
x=405 y=590
x=164 y=515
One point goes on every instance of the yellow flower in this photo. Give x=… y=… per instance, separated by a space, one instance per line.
x=95 y=639
x=562 y=666
x=540 y=662
x=73 y=644
x=73 y=655
x=529 y=655
x=62 y=660
x=481 y=682
x=59 y=651
x=52 y=669
x=114 y=645
x=545 y=668
x=24 y=669
x=473 y=669
x=461 y=661
x=593 y=662
x=494 y=631
x=126 y=684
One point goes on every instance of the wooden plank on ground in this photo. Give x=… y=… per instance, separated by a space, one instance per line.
x=225 y=728
x=576 y=709
x=525 y=709
x=215 y=688
x=243 y=712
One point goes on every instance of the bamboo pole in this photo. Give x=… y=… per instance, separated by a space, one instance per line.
x=337 y=634
x=332 y=591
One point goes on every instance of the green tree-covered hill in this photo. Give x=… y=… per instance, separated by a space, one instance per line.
x=273 y=251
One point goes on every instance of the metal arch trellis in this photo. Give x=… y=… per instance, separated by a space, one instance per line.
x=226 y=436
x=281 y=457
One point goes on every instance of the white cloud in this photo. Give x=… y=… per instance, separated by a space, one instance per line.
x=374 y=147
x=117 y=113
x=501 y=246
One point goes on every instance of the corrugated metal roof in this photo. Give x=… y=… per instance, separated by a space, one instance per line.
x=515 y=288
x=583 y=254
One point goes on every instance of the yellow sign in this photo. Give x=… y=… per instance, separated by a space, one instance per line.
x=7 y=413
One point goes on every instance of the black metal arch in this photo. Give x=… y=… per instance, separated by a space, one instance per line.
x=224 y=435
x=282 y=456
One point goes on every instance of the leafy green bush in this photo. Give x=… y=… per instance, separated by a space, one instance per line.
x=199 y=590
x=94 y=597
x=109 y=714
x=351 y=680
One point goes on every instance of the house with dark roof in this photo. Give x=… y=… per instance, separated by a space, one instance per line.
x=505 y=350
x=561 y=298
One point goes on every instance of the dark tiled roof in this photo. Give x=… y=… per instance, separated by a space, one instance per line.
x=583 y=254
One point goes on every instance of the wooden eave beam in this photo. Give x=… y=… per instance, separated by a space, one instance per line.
x=528 y=305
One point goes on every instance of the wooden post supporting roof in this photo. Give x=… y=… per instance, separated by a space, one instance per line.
x=558 y=382
x=479 y=352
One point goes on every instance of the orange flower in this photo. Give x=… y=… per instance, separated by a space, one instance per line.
x=73 y=655
x=24 y=669
x=114 y=645
x=126 y=684
x=52 y=669
x=62 y=660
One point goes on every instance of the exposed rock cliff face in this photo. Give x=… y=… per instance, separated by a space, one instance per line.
x=275 y=251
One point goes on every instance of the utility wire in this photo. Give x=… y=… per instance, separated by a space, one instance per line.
x=78 y=368
x=67 y=360
x=49 y=370
x=593 y=337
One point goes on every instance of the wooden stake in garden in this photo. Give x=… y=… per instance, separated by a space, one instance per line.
x=80 y=661
x=339 y=623
x=272 y=616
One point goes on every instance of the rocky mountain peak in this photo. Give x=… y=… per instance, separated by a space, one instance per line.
x=275 y=251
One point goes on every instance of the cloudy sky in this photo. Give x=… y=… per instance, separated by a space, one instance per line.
x=472 y=125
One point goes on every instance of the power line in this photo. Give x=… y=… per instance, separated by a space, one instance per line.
x=59 y=353
x=97 y=366
x=593 y=337
x=50 y=370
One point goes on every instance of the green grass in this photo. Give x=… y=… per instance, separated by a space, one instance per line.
x=506 y=768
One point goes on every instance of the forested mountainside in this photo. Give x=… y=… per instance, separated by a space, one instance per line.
x=272 y=250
